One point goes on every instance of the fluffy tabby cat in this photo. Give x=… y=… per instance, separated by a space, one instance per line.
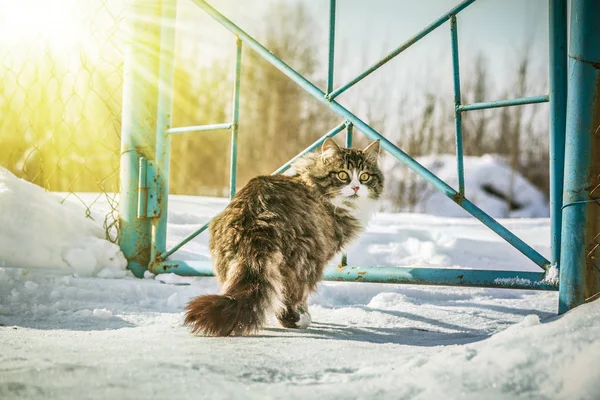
x=272 y=242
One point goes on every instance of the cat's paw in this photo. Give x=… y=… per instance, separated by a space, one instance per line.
x=295 y=319
x=304 y=321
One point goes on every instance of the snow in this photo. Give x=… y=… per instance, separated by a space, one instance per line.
x=488 y=184
x=39 y=232
x=64 y=334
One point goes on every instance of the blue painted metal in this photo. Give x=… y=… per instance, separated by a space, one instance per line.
x=310 y=148
x=200 y=128
x=428 y=29
x=349 y=130
x=140 y=73
x=331 y=46
x=152 y=194
x=142 y=188
x=186 y=240
x=558 y=116
x=401 y=275
x=504 y=103
x=443 y=187
x=158 y=202
x=583 y=119
x=457 y=103
x=236 y=118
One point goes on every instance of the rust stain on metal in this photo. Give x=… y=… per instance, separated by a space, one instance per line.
x=458 y=198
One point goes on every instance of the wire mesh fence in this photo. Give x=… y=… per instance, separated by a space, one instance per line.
x=594 y=250
x=60 y=99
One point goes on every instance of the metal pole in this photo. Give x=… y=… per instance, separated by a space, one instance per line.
x=138 y=127
x=163 y=123
x=331 y=46
x=582 y=158
x=236 y=118
x=349 y=130
x=504 y=103
x=558 y=116
x=457 y=104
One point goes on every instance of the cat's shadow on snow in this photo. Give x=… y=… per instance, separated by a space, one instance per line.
x=440 y=333
x=403 y=336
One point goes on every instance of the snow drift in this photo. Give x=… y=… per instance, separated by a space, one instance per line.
x=489 y=183
x=39 y=231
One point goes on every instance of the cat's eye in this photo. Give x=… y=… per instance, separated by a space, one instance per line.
x=343 y=175
x=364 y=177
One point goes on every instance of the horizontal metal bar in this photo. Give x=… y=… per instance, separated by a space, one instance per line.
x=402 y=275
x=199 y=128
x=428 y=29
x=502 y=103
x=310 y=148
x=189 y=237
x=411 y=163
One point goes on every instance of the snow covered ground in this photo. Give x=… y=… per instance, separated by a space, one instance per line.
x=489 y=183
x=69 y=332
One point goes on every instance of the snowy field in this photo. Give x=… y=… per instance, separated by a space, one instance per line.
x=75 y=325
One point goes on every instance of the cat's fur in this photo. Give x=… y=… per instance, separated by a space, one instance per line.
x=272 y=242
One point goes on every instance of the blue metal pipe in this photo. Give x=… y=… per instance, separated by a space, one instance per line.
x=428 y=29
x=457 y=103
x=164 y=111
x=236 y=119
x=331 y=46
x=200 y=128
x=442 y=186
x=558 y=116
x=349 y=130
x=398 y=275
x=310 y=148
x=504 y=103
x=138 y=127
x=581 y=147
x=189 y=237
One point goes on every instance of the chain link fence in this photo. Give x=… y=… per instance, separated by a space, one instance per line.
x=61 y=75
x=594 y=251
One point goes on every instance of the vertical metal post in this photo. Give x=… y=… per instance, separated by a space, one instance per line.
x=138 y=127
x=457 y=104
x=331 y=46
x=163 y=122
x=236 y=118
x=558 y=115
x=582 y=158
x=349 y=130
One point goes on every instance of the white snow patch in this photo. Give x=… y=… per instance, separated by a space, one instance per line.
x=40 y=232
x=487 y=184
x=102 y=312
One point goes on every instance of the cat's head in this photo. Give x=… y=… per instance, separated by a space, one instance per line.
x=348 y=177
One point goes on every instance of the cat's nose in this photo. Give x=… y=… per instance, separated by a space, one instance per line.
x=355 y=188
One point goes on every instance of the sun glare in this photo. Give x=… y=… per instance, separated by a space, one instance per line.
x=30 y=22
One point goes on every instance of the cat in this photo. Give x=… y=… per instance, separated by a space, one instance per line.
x=272 y=242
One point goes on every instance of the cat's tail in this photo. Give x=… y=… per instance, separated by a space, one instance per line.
x=251 y=291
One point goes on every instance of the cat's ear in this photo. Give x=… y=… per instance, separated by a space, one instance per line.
x=372 y=151
x=330 y=147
